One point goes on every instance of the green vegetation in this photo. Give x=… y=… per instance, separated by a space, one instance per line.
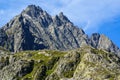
x=48 y=58
x=68 y=74
x=55 y=65
x=51 y=65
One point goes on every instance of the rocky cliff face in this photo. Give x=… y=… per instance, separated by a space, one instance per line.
x=35 y=29
x=85 y=63
x=102 y=42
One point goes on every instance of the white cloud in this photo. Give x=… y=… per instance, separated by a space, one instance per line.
x=91 y=13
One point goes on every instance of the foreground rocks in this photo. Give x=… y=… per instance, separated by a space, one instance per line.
x=85 y=63
x=16 y=70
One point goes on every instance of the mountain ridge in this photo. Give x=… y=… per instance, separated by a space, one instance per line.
x=35 y=27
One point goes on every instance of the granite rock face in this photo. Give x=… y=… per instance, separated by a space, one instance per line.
x=35 y=29
x=102 y=42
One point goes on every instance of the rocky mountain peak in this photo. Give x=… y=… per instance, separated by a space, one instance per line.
x=106 y=43
x=63 y=17
x=100 y=41
x=35 y=29
x=33 y=11
x=34 y=7
x=60 y=19
x=56 y=20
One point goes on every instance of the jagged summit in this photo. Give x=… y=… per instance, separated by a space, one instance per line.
x=100 y=41
x=63 y=17
x=35 y=29
x=33 y=10
x=34 y=7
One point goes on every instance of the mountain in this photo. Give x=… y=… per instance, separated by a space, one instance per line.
x=37 y=46
x=35 y=29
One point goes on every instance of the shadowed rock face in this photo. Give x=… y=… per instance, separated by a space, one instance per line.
x=102 y=42
x=35 y=29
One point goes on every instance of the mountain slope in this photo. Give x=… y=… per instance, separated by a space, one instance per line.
x=35 y=29
x=85 y=63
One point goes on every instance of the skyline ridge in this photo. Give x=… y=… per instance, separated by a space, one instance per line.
x=109 y=26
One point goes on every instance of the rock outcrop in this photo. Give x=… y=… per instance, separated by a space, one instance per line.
x=85 y=63
x=102 y=42
x=16 y=70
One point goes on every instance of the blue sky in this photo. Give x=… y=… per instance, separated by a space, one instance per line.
x=101 y=16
